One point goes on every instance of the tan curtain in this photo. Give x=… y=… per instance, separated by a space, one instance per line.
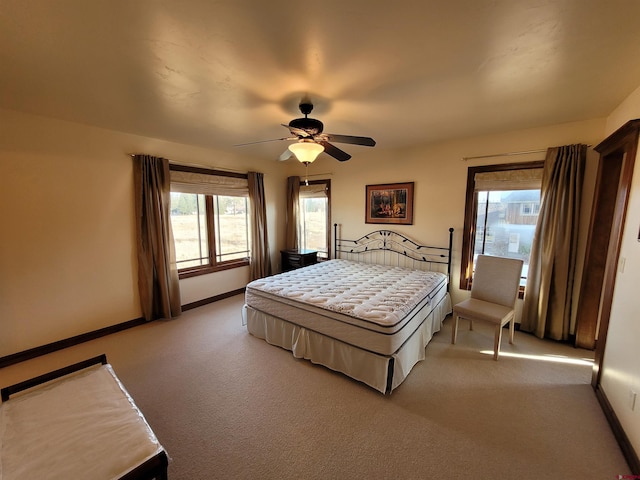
x=548 y=296
x=157 y=272
x=260 y=257
x=293 y=212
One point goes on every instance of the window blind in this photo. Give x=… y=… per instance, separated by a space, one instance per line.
x=520 y=179
x=193 y=182
x=313 y=191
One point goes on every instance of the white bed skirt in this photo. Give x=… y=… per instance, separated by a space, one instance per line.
x=362 y=365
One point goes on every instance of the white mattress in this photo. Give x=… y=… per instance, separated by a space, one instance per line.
x=373 y=307
x=82 y=426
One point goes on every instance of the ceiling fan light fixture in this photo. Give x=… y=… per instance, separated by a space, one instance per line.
x=306 y=151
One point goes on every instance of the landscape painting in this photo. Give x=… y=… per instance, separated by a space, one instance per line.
x=390 y=203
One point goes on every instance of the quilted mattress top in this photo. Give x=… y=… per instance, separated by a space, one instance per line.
x=377 y=293
x=84 y=425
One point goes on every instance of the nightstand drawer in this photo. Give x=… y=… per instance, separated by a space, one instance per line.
x=292 y=259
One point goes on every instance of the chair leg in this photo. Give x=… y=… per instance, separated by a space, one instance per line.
x=496 y=342
x=470 y=324
x=511 y=329
x=454 y=328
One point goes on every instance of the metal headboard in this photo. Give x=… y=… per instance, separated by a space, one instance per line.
x=402 y=248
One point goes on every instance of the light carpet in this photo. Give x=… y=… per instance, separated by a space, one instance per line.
x=227 y=405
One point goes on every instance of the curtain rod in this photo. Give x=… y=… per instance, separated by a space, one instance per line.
x=195 y=165
x=222 y=169
x=320 y=174
x=507 y=154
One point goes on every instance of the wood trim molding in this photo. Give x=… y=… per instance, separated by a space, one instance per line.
x=67 y=342
x=206 y=171
x=468 y=232
x=215 y=298
x=206 y=270
x=595 y=261
x=623 y=142
x=85 y=337
x=629 y=453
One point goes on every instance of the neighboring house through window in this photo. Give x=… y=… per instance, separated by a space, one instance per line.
x=501 y=213
x=314 y=217
x=210 y=219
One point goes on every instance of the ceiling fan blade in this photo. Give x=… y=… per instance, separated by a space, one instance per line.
x=265 y=141
x=366 y=141
x=286 y=155
x=296 y=131
x=334 y=151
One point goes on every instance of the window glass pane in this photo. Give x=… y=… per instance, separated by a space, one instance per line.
x=188 y=221
x=232 y=227
x=313 y=225
x=505 y=224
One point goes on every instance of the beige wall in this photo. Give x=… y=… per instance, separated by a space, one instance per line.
x=621 y=363
x=440 y=177
x=67 y=255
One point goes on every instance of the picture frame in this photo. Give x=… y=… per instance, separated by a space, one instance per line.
x=389 y=203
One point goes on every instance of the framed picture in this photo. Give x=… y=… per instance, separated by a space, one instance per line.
x=390 y=203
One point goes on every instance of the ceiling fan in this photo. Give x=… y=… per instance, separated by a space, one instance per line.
x=311 y=141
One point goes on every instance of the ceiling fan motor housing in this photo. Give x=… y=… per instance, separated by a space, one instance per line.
x=305 y=108
x=309 y=125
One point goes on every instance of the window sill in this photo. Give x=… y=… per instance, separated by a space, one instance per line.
x=197 y=271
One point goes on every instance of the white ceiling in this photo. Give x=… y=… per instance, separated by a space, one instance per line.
x=217 y=73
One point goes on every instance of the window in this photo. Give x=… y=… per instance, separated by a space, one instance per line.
x=189 y=224
x=232 y=227
x=314 y=217
x=209 y=218
x=530 y=208
x=502 y=206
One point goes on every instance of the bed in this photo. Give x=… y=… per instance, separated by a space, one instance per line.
x=76 y=422
x=368 y=313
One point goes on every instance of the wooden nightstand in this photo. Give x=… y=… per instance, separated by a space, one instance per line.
x=292 y=259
